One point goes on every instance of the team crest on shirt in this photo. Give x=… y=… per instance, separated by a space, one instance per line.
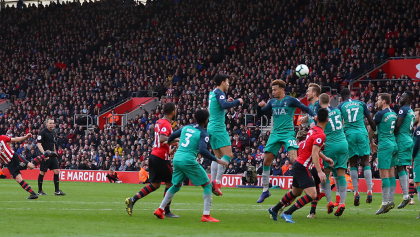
x=222 y=97
x=39 y=137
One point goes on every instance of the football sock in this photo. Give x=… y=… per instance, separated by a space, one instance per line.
x=207 y=199
x=299 y=204
x=285 y=201
x=168 y=197
x=40 y=181
x=322 y=189
x=37 y=160
x=221 y=169
x=27 y=187
x=213 y=170
x=314 y=203
x=412 y=189
x=342 y=188
x=385 y=190
x=167 y=210
x=56 y=182
x=367 y=171
x=327 y=189
x=144 y=192
x=354 y=179
x=418 y=193
x=392 y=185
x=266 y=178
x=404 y=183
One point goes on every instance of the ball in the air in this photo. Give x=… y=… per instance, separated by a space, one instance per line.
x=302 y=70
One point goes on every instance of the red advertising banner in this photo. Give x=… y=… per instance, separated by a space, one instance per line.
x=231 y=181
x=398 y=67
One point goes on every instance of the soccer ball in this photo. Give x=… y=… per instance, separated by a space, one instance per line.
x=302 y=70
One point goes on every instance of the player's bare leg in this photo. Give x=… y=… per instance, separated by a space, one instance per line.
x=403 y=177
x=266 y=176
x=367 y=171
x=354 y=163
x=217 y=170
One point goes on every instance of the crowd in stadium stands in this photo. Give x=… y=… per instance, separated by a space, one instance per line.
x=70 y=58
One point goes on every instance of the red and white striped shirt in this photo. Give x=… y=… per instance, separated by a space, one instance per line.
x=163 y=127
x=315 y=137
x=6 y=153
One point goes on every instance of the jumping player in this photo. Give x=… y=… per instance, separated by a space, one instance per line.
x=387 y=150
x=160 y=169
x=302 y=178
x=15 y=163
x=336 y=148
x=194 y=140
x=353 y=113
x=283 y=109
x=312 y=94
x=402 y=131
x=416 y=155
x=219 y=137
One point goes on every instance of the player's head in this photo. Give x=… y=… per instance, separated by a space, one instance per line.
x=345 y=94
x=50 y=123
x=301 y=135
x=277 y=88
x=202 y=117
x=406 y=98
x=169 y=109
x=222 y=80
x=314 y=90
x=324 y=100
x=383 y=100
x=417 y=118
x=322 y=117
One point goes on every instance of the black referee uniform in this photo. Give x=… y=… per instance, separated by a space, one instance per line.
x=47 y=139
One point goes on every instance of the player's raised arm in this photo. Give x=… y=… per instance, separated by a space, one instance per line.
x=296 y=103
x=227 y=105
x=203 y=144
x=368 y=116
x=263 y=108
x=173 y=137
x=20 y=139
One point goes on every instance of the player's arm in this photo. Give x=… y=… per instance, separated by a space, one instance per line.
x=315 y=159
x=304 y=119
x=368 y=116
x=296 y=103
x=203 y=144
x=377 y=120
x=326 y=159
x=225 y=104
x=264 y=108
x=401 y=114
x=174 y=137
x=164 y=134
x=416 y=146
x=20 y=139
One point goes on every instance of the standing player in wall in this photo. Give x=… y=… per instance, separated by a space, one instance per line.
x=194 y=140
x=353 y=113
x=283 y=109
x=302 y=178
x=387 y=150
x=15 y=163
x=160 y=169
x=219 y=137
x=403 y=127
x=336 y=148
x=46 y=142
x=416 y=155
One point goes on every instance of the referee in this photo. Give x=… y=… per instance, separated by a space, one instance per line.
x=45 y=142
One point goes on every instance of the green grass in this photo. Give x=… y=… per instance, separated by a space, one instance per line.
x=98 y=209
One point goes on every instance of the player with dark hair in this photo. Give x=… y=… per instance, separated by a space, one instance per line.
x=403 y=127
x=15 y=163
x=193 y=140
x=416 y=155
x=219 y=137
x=387 y=150
x=160 y=169
x=302 y=178
x=353 y=113
x=283 y=109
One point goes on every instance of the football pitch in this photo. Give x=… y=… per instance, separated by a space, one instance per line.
x=98 y=209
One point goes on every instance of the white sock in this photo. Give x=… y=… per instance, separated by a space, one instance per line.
x=220 y=171
x=266 y=180
x=213 y=170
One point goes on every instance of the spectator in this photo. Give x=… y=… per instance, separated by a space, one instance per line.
x=231 y=170
x=289 y=172
x=129 y=167
x=277 y=171
x=285 y=167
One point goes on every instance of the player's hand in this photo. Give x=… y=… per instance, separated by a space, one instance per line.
x=312 y=124
x=374 y=147
x=316 y=118
x=302 y=119
x=322 y=177
x=241 y=101
x=330 y=162
x=262 y=104
x=29 y=135
x=230 y=99
x=222 y=162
